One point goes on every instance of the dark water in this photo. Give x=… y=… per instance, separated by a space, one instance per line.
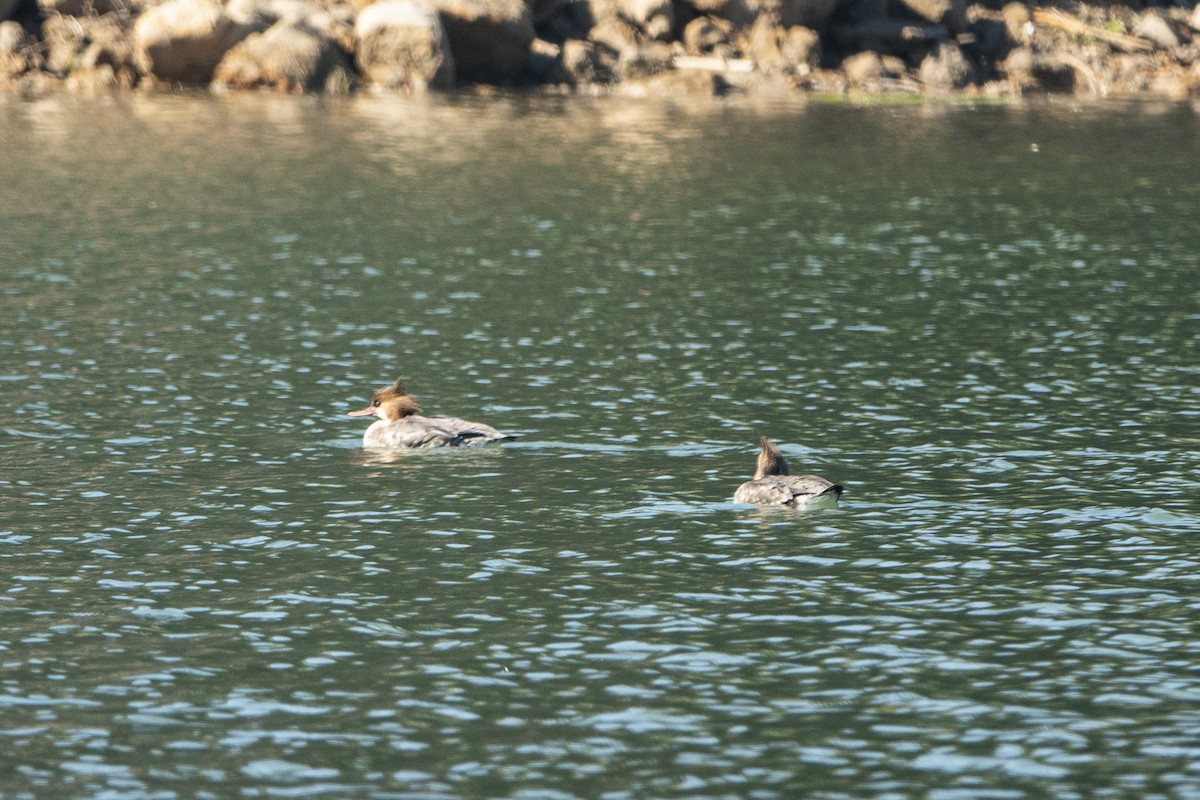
x=982 y=321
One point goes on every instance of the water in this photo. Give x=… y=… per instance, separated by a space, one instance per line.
x=982 y=321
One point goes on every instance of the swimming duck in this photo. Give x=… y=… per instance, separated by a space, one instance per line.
x=400 y=424
x=774 y=485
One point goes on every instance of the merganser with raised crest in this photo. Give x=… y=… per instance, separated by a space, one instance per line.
x=774 y=485
x=400 y=425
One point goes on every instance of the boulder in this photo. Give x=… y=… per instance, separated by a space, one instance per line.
x=12 y=42
x=676 y=83
x=585 y=63
x=74 y=43
x=80 y=8
x=182 y=41
x=403 y=45
x=334 y=22
x=788 y=50
x=946 y=68
x=1152 y=26
x=614 y=34
x=645 y=19
x=489 y=39
x=644 y=60
x=1029 y=72
x=868 y=68
x=706 y=35
x=287 y=57
x=951 y=13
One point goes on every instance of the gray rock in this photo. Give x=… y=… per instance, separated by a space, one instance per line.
x=489 y=39
x=182 y=41
x=287 y=57
x=1152 y=26
x=946 y=68
x=403 y=45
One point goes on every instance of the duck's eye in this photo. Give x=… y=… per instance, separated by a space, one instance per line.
x=375 y=403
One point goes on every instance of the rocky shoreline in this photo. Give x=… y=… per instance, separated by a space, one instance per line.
x=632 y=47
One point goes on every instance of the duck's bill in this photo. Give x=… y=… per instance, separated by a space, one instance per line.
x=366 y=412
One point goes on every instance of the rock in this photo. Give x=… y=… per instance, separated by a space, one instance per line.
x=79 y=8
x=615 y=34
x=951 y=13
x=182 y=41
x=1173 y=83
x=73 y=43
x=1018 y=21
x=653 y=19
x=489 y=39
x=775 y=49
x=1152 y=26
x=584 y=63
x=335 y=22
x=946 y=68
x=287 y=57
x=644 y=60
x=12 y=42
x=674 y=83
x=402 y=44
x=868 y=68
x=705 y=34
x=1027 y=72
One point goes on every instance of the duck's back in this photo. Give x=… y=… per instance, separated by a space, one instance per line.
x=787 y=490
x=418 y=431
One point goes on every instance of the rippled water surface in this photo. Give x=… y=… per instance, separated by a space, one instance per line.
x=982 y=321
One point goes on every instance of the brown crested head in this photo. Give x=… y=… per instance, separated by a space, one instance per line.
x=390 y=403
x=770 y=460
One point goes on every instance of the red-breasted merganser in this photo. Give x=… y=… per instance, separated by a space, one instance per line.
x=773 y=485
x=400 y=425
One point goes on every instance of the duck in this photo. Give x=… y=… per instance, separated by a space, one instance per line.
x=400 y=424
x=774 y=485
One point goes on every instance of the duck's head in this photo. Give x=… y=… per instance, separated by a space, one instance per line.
x=770 y=460
x=390 y=403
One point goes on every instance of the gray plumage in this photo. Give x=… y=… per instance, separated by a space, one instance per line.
x=418 y=431
x=774 y=485
x=400 y=425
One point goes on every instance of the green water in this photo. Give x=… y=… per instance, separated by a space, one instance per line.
x=981 y=321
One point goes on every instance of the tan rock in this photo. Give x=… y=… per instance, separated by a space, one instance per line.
x=287 y=57
x=182 y=41
x=584 y=63
x=403 y=45
x=776 y=49
x=1152 y=26
x=946 y=68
